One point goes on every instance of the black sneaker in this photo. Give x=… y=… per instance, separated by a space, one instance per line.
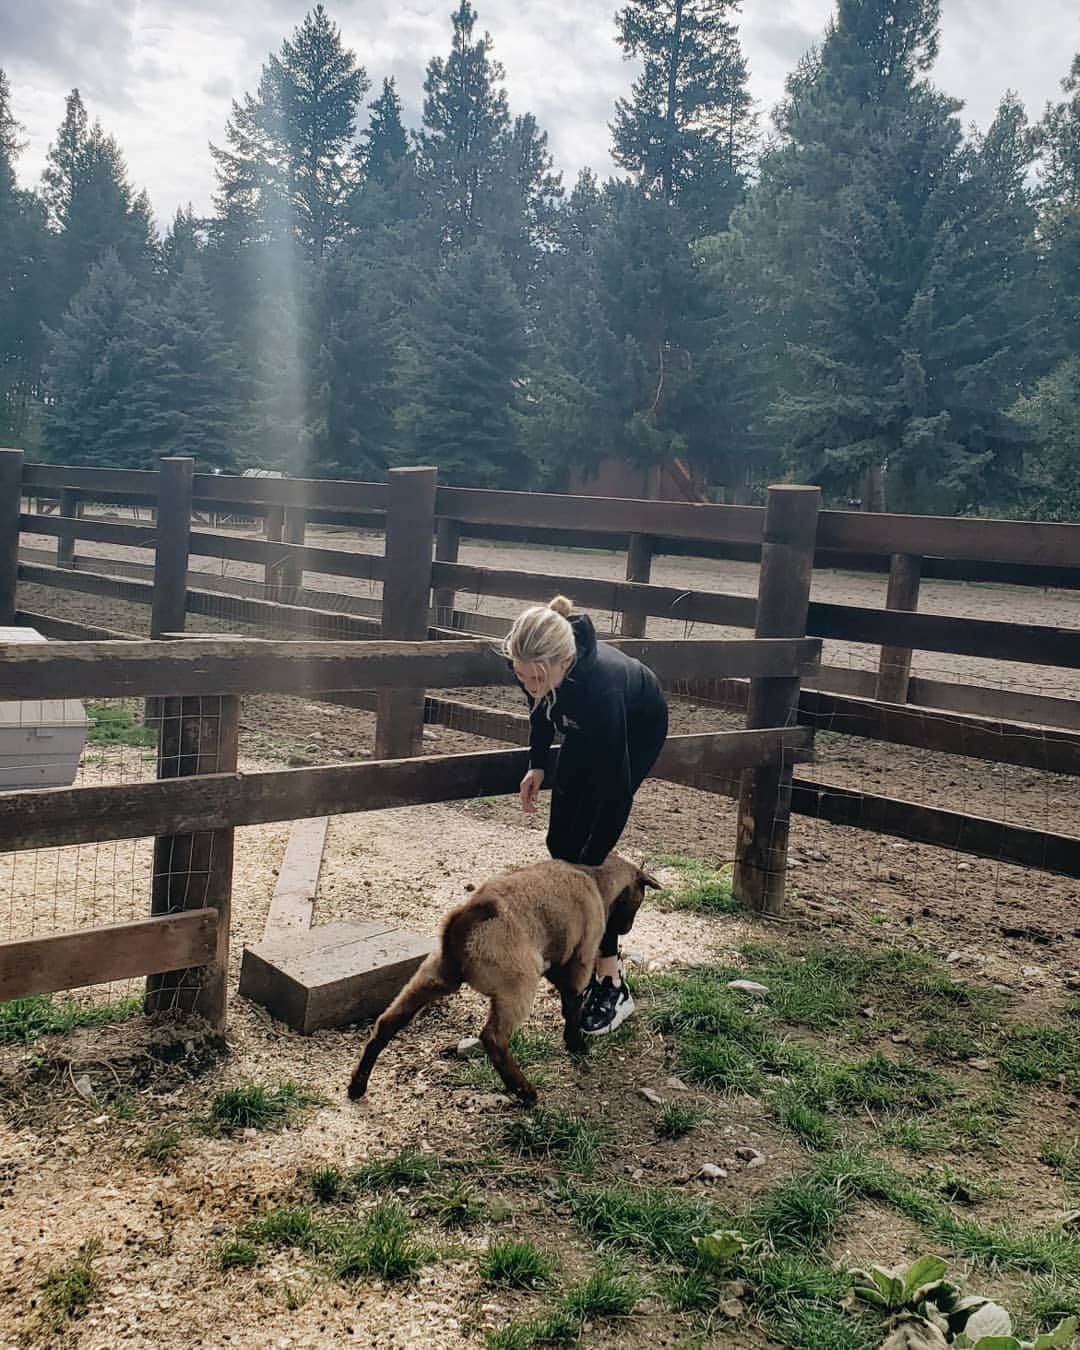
x=607 y=1006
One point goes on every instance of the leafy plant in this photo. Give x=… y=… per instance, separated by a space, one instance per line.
x=926 y=1310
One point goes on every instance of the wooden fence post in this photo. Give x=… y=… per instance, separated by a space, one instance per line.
x=275 y=522
x=894 y=669
x=787 y=564
x=11 y=475
x=292 y=570
x=638 y=568
x=169 y=609
x=406 y=597
x=447 y=543
x=70 y=507
x=198 y=735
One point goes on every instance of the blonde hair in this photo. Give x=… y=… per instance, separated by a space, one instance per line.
x=542 y=634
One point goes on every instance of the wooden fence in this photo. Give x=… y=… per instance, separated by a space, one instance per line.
x=790 y=537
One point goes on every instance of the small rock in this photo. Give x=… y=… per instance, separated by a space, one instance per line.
x=736 y=1289
x=733 y=1307
x=469 y=1047
x=651 y=1096
x=900 y=1037
x=983 y=1065
x=963 y=867
x=487 y=1100
x=710 y=1172
x=1031 y=972
x=84 y=1087
x=637 y=1174
x=953 y=957
x=676 y=1084
x=749 y=987
x=249 y=1133
x=747 y=1153
x=759 y=1161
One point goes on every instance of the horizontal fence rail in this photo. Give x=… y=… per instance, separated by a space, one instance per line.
x=120 y=951
x=49 y=816
x=246 y=665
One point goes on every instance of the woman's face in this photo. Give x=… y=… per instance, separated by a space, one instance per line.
x=540 y=677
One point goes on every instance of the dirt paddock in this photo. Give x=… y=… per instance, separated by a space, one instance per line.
x=73 y=1167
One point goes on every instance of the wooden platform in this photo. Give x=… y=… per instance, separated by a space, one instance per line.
x=331 y=975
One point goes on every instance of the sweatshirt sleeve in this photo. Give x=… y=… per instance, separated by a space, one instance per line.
x=611 y=780
x=541 y=734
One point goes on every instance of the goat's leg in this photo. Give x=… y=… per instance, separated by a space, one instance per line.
x=571 y=981
x=507 y=1012
x=425 y=987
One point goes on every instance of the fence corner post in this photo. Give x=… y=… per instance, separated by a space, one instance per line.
x=11 y=481
x=894 y=668
x=787 y=565
x=406 y=601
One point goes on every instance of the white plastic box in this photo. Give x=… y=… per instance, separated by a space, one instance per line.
x=41 y=740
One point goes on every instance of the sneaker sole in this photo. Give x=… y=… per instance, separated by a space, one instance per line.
x=622 y=1012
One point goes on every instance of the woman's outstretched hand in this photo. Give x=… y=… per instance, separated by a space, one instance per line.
x=530 y=790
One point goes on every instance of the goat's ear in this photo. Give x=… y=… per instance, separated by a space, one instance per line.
x=648 y=881
x=623 y=912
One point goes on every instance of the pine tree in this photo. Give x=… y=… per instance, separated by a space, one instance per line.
x=94 y=373
x=286 y=173
x=466 y=119
x=187 y=402
x=385 y=144
x=887 y=309
x=526 y=217
x=184 y=242
x=463 y=362
x=1059 y=224
x=92 y=207
x=687 y=133
x=23 y=263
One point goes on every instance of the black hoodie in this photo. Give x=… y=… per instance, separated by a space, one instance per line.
x=612 y=716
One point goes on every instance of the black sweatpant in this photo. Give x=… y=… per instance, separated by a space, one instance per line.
x=574 y=797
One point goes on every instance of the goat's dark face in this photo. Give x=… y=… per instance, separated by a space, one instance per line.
x=626 y=904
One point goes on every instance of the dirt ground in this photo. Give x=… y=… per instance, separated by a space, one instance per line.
x=72 y=1170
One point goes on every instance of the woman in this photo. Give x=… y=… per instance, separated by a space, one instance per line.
x=613 y=720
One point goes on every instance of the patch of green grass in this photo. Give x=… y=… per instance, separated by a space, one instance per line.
x=821 y=1326
x=878 y=1082
x=977 y=1121
x=914 y=1137
x=116 y=723
x=26 y=1019
x=1052 y=1253
x=1062 y=1153
x=70 y=1289
x=703 y=889
x=515 y=1264
x=1041 y=1054
x=237 y=1255
x=289 y=1226
x=607 y=1292
x=328 y=1184
x=457 y=1207
x=809 y=1124
x=408 y=1167
x=573 y=1140
x=553 y=1328
x=1049 y=1299
x=802 y=1213
x=163 y=1145
x=256 y=1107
x=689 y=1291
x=382 y=1245
x=657 y=1222
x=723 y=1065
x=676 y=1119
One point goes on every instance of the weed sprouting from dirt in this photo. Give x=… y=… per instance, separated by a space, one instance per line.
x=256 y=1107
x=71 y=1288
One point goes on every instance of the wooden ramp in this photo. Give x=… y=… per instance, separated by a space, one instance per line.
x=332 y=974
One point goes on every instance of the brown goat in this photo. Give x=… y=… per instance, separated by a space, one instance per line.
x=546 y=919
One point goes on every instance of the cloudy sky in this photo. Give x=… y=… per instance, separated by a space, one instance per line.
x=160 y=74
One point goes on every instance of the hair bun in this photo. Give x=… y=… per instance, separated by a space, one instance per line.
x=561 y=605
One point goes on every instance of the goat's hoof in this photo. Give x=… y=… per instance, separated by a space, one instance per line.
x=528 y=1098
x=356 y=1090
